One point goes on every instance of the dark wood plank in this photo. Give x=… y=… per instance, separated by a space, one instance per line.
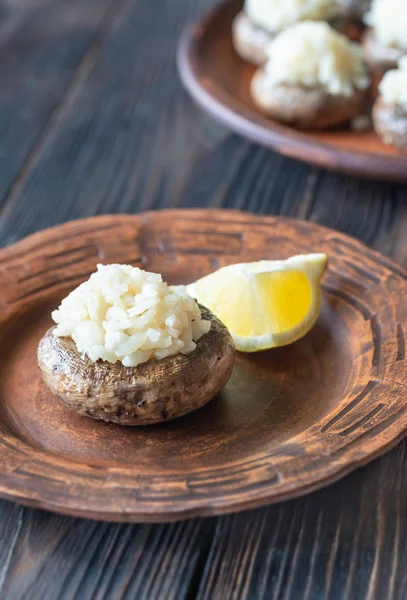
x=122 y=137
x=333 y=544
x=361 y=208
x=129 y=139
x=42 y=44
x=48 y=557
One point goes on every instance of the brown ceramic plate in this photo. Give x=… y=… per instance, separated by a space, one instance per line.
x=289 y=421
x=219 y=81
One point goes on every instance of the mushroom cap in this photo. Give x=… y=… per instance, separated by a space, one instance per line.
x=155 y=391
x=305 y=107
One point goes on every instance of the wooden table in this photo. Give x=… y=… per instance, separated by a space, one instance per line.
x=93 y=120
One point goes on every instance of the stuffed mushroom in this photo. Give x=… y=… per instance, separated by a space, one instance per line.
x=261 y=20
x=390 y=109
x=385 y=42
x=315 y=78
x=131 y=350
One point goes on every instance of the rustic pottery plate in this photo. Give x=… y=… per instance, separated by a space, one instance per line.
x=289 y=421
x=219 y=81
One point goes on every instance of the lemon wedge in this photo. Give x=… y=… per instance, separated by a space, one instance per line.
x=265 y=304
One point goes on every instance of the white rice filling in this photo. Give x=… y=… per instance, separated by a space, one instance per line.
x=275 y=15
x=393 y=86
x=388 y=18
x=313 y=54
x=122 y=313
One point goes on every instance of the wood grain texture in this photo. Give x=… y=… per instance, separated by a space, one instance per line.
x=222 y=88
x=154 y=561
x=353 y=532
x=42 y=44
x=113 y=117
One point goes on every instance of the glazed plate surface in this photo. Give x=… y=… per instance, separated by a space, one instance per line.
x=289 y=421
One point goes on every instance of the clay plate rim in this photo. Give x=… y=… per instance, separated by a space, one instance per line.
x=34 y=490
x=211 y=95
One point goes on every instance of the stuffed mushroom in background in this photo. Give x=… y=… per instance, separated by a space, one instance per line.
x=261 y=20
x=390 y=109
x=386 y=40
x=314 y=78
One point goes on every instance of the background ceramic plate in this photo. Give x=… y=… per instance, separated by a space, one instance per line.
x=219 y=81
x=289 y=421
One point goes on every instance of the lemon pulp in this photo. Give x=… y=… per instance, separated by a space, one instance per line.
x=284 y=297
